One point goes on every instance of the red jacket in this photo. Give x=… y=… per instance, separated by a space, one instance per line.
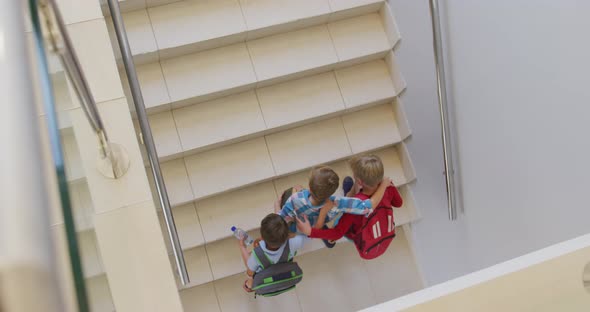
x=349 y=224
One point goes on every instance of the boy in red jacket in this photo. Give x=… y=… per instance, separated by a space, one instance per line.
x=368 y=173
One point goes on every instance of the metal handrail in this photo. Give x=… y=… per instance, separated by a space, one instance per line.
x=444 y=110
x=61 y=44
x=148 y=140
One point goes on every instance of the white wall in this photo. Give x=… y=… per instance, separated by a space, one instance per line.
x=438 y=241
x=518 y=72
x=520 y=86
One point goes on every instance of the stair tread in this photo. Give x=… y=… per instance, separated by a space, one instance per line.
x=186 y=22
x=262 y=62
x=270 y=109
x=374 y=37
x=183 y=75
x=292 y=52
x=300 y=148
x=229 y=167
x=277 y=154
x=217 y=121
x=184 y=27
x=316 y=95
x=187 y=224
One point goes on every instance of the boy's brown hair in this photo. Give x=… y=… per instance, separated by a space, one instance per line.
x=368 y=169
x=285 y=196
x=274 y=230
x=323 y=182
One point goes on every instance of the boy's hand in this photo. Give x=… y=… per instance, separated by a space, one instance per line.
x=327 y=206
x=242 y=242
x=303 y=225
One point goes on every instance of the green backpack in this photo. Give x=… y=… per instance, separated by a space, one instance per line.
x=275 y=278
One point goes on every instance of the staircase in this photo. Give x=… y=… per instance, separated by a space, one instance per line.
x=244 y=97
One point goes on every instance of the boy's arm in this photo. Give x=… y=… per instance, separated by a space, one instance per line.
x=298 y=242
x=396 y=198
x=287 y=212
x=330 y=234
x=378 y=195
x=362 y=207
x=244 y=252
x=323 y=213
x=351 y=205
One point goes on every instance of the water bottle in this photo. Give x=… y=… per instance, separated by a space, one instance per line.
x=240 y=234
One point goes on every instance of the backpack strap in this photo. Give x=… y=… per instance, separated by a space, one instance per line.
x=261 y=257
x=286 y=253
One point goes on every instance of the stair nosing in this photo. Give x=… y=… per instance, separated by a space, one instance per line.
x=325 y=18
x=249 y=136
x=195 y=100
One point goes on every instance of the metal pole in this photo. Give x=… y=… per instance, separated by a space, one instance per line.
x=444 y=111
x=148 y=139
x=26 y=255
x=73 y=69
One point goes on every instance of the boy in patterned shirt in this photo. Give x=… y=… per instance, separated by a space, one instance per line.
x=318 y=203
x=367 y=173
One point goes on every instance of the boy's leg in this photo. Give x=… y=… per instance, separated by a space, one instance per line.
x=331 y=225
x=328 y=243
x=347 y=185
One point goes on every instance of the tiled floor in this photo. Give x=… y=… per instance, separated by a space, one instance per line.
x=334 y=280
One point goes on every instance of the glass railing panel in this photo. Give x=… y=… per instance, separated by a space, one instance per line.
x=58 y=103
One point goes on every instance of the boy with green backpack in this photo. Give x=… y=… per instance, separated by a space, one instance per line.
x=271 y=269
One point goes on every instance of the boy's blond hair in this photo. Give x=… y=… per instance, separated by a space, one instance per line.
x=368 y=169
x=323 y=182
